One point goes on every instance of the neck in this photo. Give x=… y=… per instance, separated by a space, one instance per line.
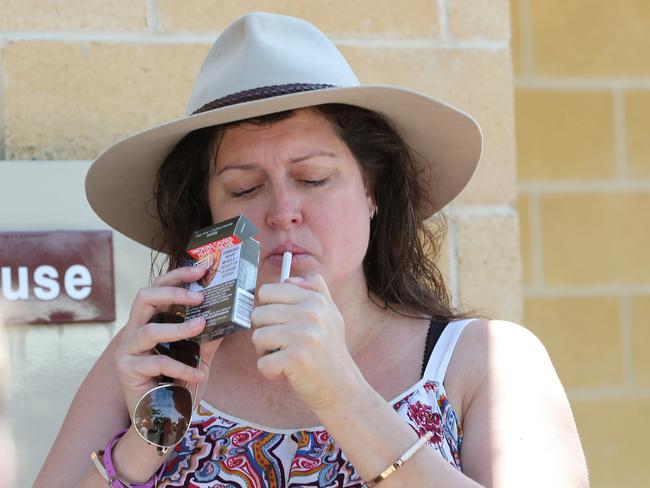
x=364 y=320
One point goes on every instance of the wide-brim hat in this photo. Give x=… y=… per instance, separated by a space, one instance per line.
x=264 y=63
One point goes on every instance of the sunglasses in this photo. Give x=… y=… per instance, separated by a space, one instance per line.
x=162 y=416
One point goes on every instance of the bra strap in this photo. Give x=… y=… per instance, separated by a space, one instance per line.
x=441 y=356
x=436 y=326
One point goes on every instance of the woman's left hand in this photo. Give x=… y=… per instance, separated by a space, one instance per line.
x=300 y=335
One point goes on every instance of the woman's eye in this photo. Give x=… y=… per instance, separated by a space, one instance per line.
x=249 y=192
x=316 y=182
x=244 y=193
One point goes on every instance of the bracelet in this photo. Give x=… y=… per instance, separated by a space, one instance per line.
x=96 y=457
x=103 y=461
x=401 y=460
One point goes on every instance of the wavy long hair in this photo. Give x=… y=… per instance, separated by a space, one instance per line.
x=400 y=264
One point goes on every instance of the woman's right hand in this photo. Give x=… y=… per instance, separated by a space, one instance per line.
x=136 y=363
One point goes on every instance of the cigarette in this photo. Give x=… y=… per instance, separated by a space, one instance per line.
x=286 y=266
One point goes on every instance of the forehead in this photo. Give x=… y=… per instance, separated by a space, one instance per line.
x=305 y=129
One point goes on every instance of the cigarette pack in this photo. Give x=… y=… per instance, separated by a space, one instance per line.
x=231 y=257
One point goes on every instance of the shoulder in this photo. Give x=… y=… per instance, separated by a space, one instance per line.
x=481 y=338
x=482 y=334
x=495 y=350
x=511 y=397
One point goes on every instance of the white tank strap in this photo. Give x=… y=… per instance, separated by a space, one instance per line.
x=439 y=361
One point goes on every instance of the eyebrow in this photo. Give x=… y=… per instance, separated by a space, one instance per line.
x=251 y=166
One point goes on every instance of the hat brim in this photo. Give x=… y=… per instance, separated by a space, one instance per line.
x=446 y=144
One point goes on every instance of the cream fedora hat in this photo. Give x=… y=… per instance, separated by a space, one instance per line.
x=264 y=63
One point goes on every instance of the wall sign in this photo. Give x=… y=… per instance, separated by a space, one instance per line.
x=57 y=277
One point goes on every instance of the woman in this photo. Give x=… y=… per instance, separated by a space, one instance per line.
x=341 y=175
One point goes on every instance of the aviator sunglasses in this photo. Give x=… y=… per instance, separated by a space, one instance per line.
x=163 y=415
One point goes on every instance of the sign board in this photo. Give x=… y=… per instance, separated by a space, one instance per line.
x=57 y=277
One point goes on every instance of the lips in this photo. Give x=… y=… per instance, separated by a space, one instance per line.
x=292 y=248
x=299 y=253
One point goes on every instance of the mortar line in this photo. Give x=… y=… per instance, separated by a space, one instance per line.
x=528 y=63
x=209 y=37
x=620 y=141
x=145 y=37
x=590 y=394
x=152 y=16
x=618 y=290
x=603 y=186
x=426 y=43
x=592 y=83
x=536 y=233
x=444 y=21
x=627 y=340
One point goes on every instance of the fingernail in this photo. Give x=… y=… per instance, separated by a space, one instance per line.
x=195 y=295
x=295 y=279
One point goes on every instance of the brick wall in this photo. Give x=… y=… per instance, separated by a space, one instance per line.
x=79 y=75
x=582 y=98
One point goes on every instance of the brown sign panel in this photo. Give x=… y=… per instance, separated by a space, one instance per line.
x=57 y=277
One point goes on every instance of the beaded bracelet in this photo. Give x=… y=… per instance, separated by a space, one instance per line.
x=401 y=460
x=103 y=461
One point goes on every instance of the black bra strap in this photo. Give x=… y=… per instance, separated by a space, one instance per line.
x=435 y=330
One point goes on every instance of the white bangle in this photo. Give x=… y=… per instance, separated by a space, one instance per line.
x=401 y=460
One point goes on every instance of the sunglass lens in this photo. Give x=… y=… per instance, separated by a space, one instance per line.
x=163 y=415
x=186 y=351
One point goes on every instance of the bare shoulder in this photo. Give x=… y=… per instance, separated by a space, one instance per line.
x=514 y=403
x=481 y=335
x=491 y=348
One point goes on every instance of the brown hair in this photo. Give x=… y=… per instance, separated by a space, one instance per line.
x=399 y=265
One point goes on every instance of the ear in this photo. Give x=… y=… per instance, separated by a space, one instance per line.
x=370 y=197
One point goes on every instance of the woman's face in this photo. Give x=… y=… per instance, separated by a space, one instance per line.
x=297 y=181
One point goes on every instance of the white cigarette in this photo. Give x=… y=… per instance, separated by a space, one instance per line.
x=286 y=266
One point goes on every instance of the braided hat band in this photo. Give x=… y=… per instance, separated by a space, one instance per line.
x=259 y=94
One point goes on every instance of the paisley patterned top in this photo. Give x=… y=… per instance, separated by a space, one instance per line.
x=220 y=450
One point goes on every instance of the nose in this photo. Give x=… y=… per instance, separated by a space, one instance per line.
x=285 y=209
